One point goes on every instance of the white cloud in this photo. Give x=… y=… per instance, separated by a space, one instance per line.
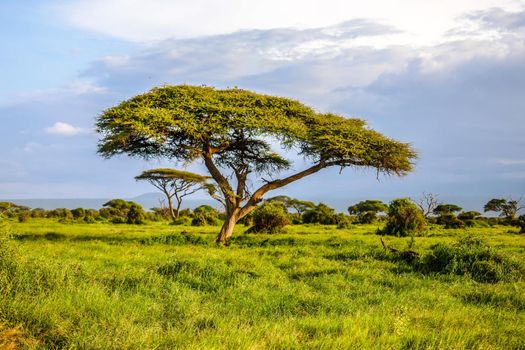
x=65 y=129
x=145 y=20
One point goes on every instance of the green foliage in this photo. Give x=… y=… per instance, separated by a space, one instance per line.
x=38 y=213
x=343 y=221
x=205 y=215
x=366 y=211
x=12 y=210
x=375 y=206
x=473 y=257
x=521 y=223
x=119 y=211
x=449 y=220
x=506 y=207
x=178 y=121
x=404 y=218
x=366 y=217
x=135 y=215
x=469 y=215
x=24 y=216
x=443 y=209
x=78 y=213
x=172 y=174
x=60 y=213
x=300 y=206
x=270 y=217
x=321 y=214
x=470 y=219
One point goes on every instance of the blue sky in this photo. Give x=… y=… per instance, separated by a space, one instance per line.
x=447 y=76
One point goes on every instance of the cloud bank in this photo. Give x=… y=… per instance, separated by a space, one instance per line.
x=457 y=99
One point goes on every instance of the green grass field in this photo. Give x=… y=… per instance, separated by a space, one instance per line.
x=156 y=286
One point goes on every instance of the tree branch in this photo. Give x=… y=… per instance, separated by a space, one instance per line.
x=223 y=183
x=272 y=185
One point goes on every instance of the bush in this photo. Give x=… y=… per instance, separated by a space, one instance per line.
x=449 y=220
x=343 y=221
x=321 y=214
x=366 y=211
x=472 y=257
x=23 y=216
x=78 y=213
x=270 y=217
x=135 y=215
x=367 y=217
x=521 y=223
x=182 y=220
x=60 y=213
x=205 y=215
x=404 y=218
x=119 y=211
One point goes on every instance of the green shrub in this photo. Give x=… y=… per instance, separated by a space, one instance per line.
x=449 y=220
x=23 y=216
x=321 y=214
x=521 y=223
x=472 y=257
x=182 y=220
x=205 y=215
x=78 y=213
x=404 y=218
x=270 y=217
x=367 y=217
x=367 y=211
x=135 y=215
x=343 y=221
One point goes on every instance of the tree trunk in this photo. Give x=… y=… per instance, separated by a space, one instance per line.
x=177 y=210
x=227 y=228
x=172 y=212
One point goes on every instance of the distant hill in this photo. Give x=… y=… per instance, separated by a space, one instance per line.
x=150 y=200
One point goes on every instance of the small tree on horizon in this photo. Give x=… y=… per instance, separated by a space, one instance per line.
x=427 y=203
x=176 y=184
x=231 y=131
x=299 y=205
x=444 y=209
x=507 y=208
x=367 y=210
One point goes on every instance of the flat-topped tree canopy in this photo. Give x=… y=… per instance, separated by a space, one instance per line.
x=231 y=129
x=168 y=173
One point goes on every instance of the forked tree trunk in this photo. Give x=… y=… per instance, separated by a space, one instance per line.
x=227 y=228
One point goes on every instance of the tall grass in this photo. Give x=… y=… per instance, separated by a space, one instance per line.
x=153 y=287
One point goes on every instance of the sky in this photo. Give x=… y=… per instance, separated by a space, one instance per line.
x=447 y=76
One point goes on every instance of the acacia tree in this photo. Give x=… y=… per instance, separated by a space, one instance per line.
x=300 y=206
x=444 y=209
x=367 y=210
x=176 y=184
x=507 y=207
x=230 y=131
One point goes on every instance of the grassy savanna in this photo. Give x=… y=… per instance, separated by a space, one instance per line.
x=159 y=286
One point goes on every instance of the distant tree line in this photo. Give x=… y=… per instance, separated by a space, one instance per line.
x=401 y=217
